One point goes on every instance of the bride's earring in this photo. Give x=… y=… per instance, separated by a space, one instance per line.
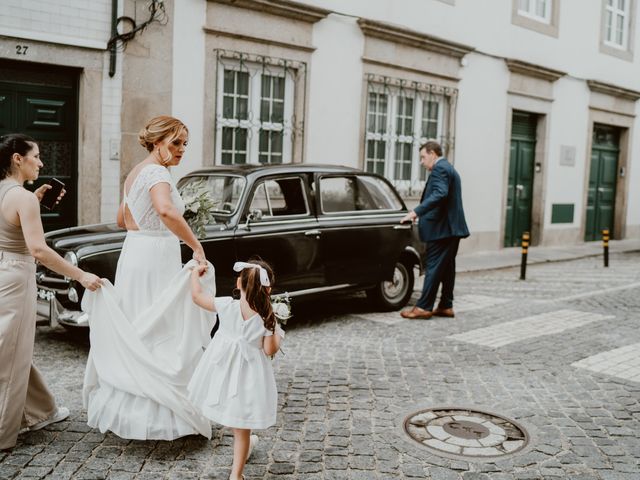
x=235 y=294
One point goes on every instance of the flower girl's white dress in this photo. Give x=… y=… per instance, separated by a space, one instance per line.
x=146 y=333
x=234 y=384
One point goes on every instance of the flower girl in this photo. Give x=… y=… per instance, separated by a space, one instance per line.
x=234 y=384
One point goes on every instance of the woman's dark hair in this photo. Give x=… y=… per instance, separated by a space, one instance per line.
x=10 y=144
x=257 y=294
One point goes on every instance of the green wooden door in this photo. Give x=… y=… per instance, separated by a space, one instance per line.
x=42 y=103
x=520 y=181
x=601 y=194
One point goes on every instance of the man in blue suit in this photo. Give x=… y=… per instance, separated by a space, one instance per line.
x=441 y=224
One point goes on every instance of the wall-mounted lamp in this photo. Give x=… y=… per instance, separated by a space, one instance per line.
x=538 y=167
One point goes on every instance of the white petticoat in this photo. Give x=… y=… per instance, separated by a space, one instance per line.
x=147 y=337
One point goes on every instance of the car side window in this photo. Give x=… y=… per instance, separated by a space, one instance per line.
x=280 y=197
x=356 y=193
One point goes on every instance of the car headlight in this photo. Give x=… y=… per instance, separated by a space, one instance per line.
x=73 y=295
x=72 y=258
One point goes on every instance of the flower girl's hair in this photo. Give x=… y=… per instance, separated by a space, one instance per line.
x=258 y=295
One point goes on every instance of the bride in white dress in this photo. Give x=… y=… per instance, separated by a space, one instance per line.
x=146 y=334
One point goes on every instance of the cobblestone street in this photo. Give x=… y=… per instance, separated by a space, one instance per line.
x=558 y=353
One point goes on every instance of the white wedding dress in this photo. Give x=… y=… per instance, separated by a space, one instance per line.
x=146 y=333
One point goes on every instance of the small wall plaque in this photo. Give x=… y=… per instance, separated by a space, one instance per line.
x=567 y=155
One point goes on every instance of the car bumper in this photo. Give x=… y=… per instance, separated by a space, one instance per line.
x=52 y=313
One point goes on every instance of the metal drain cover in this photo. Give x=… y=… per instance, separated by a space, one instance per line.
x=464 y=433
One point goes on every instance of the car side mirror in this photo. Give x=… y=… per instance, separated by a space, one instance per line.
x=253 y=216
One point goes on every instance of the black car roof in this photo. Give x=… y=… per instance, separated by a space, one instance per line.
x=269 y=169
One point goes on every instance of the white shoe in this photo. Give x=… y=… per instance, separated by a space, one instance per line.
x=60 y=415
x=253 y=441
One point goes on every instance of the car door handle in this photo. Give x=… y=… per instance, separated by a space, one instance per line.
x=312 y=233
x=404 y=226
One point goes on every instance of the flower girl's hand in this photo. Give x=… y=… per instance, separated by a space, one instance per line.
x=198 y=270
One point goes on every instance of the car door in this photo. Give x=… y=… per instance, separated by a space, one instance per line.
x=360 y=233
x=283 y=230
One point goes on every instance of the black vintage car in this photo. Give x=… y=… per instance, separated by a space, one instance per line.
x=322 y=228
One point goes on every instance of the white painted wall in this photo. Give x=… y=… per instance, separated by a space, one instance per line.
x=69 y=22
x=110 y=146
x=480 y=138
x=188 y=79
x=486 y=26
x=569 y=126
x=335 y=92
x=633 y=201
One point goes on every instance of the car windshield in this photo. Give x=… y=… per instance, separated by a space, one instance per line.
x=224 y=191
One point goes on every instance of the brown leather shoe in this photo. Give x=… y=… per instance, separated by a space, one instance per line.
x=444 y=312
x=416 y=313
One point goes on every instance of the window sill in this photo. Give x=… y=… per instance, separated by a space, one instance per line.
x=616 y=52
x=539 y=26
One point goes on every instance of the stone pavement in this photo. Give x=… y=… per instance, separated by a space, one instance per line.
x=511 y=257
x=350 y=376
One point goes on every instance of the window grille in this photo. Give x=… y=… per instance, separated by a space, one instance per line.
x=255 y=119
x=401 y=116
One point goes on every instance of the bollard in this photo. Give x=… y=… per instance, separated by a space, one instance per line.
x=525 y=248
x=605 y=246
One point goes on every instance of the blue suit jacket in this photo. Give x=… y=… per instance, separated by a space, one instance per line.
x=440 y=210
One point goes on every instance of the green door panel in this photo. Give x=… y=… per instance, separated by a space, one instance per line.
x=43 y=104
x=520 y=181
x=601 y=194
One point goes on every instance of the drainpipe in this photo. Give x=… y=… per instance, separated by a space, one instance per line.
x=114 y=32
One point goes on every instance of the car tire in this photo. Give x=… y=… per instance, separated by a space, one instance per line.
x=394 y=294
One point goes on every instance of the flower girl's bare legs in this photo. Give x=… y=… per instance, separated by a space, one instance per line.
x=240 y=452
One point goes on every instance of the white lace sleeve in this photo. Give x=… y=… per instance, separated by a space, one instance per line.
x=157 y=174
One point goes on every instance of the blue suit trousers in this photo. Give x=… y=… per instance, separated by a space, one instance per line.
x=440 y=268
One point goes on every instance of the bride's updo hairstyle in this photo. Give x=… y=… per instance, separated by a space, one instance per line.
x=258 y=296
x=161 y=128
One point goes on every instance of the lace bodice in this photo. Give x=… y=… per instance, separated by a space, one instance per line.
x=139 y=199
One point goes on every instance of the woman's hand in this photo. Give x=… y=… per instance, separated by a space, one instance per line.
x=39 y=192
x=198 y=271
x=90 y=281
x=198 y=255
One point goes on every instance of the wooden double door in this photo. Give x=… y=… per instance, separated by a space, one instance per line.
x=42 y=102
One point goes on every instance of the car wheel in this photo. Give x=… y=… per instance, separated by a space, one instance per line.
x=395 y=293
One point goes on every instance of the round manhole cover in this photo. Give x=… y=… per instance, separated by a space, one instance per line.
x=466 y=433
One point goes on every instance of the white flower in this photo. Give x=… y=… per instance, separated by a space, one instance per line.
x=281 y=310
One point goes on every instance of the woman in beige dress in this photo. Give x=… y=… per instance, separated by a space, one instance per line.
x=25 y=401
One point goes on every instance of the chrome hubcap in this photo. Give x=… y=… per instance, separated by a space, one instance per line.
x=397 y=287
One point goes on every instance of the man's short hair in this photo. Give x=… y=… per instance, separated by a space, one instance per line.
x=432 y=146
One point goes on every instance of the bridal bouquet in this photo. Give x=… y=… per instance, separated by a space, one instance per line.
x=281 y=305
x=198 y=207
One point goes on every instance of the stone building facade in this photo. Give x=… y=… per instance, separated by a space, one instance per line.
x=536 y=108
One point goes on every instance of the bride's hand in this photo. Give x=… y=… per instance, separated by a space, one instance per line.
x=198 y=256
